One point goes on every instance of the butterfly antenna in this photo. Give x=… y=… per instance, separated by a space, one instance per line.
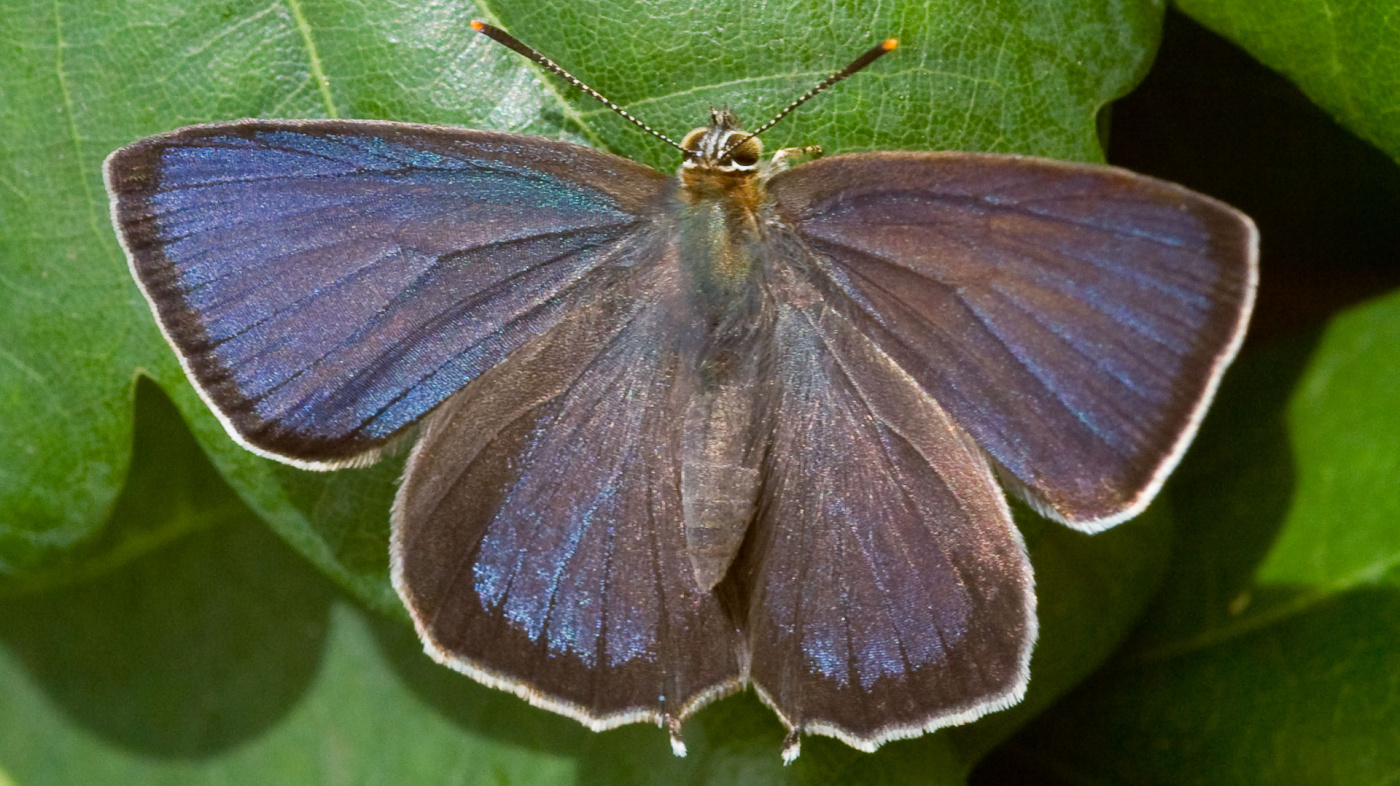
x=871 y=55
x=502 y=37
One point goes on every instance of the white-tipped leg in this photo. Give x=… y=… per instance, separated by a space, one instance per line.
x=792 y=747
x=673 y=726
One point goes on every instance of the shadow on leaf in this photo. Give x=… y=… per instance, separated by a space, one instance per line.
x=194 y=647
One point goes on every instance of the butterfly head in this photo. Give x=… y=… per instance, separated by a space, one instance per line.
x=722 y=147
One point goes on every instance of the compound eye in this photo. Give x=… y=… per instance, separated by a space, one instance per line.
x=691 y=142
x=747 y=153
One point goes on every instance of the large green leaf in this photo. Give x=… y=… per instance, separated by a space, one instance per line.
x=1269 y=656
x=1280 y=670
x=77 y=80
x=224 y=658
x=1344 y=55
x=80 y=80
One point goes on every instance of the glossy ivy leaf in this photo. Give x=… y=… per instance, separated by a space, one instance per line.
x=1345 y=56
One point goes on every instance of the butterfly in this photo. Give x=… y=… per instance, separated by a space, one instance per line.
x=679 y=435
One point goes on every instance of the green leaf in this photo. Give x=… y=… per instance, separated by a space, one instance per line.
x=170 y=491
x=1268 y=655
x=78 y=80
x=1272 y=655
x=1344 y=55
x=224 y=658
x=85 y=80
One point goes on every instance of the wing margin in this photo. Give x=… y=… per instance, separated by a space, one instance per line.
x=199 y=210
x=871 y=488
x=950 y=259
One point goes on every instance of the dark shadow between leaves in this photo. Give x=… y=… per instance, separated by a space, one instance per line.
x=1231 y=497
x=1210 y=117
x=193 y=648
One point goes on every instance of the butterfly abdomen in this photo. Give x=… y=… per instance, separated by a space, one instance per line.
x=719 y=251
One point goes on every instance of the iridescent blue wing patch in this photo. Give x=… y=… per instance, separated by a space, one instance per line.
x=1075 y=320
x=327 y=283
x=539 y=540
x=884 y=590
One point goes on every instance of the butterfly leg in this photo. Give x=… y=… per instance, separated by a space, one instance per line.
x=788 y=156
x=792 y=746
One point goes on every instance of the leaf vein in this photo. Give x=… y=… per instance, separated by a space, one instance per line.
x=1299 y=604
x=313 y=56
x=70 y=110
x=565 y=106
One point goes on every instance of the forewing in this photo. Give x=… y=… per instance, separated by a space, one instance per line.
x=885 y=590
x=1074 y=319
x=327 y=283
x=538 y=536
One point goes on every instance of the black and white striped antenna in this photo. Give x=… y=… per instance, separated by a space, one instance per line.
x=502 y=37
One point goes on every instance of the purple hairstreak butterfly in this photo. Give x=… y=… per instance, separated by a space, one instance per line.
x=681 y=435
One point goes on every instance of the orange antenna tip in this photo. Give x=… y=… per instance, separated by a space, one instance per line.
x=477 y=24
x=890 y=44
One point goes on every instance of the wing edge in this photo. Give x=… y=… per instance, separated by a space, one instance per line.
x=1187 y=434
x=1016 y=690
x=117 y=203
x=115 y=209
x=871 y=742
x=1222 y=360
x=521 y=688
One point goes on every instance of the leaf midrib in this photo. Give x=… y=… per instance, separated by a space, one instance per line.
x=1366 y=575
x=566 y=107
